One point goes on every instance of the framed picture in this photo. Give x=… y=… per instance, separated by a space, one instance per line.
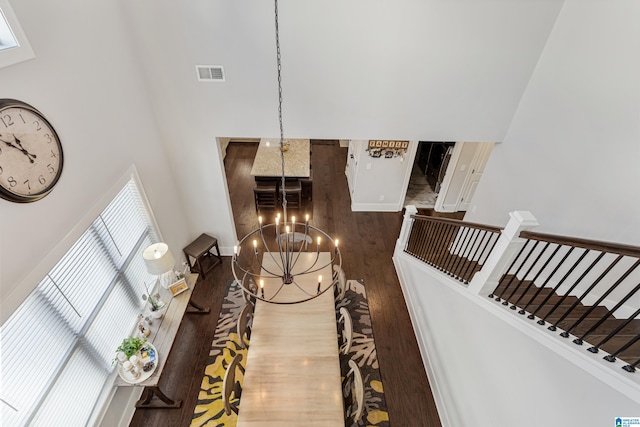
x=378 y=144
x=178 y=287
x=392 y=144
x=372 y=143
x=385 y=144
x=405 y=144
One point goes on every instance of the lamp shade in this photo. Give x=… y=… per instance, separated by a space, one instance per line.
x=158 y=259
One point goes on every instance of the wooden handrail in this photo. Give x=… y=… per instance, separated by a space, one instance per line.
x=459 y=222
x=616 y=248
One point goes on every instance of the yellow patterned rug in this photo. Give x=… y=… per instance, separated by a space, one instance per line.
x=209 y=410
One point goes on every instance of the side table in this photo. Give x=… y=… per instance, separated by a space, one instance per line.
x=200 y=250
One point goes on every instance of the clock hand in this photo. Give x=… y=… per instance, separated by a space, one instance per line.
x=23 y=149
x=25 y=152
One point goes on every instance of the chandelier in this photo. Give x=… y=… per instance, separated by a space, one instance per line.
x=279 y=262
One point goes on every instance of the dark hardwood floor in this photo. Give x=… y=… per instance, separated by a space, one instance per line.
x=367 y=242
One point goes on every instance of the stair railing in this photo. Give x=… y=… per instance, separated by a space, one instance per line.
x=584 y=287
x=455 y=247
x=587 y=289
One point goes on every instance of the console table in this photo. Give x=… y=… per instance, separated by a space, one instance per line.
x=163 y=333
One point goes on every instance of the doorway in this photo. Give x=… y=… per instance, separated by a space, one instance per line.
x=427 y=173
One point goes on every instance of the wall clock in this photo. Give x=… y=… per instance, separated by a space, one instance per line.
x=30 y=153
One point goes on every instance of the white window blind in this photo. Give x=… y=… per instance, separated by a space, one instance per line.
x=57 y=348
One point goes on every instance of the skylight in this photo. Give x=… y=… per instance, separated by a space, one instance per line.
x=7 y=40
x=14 y=47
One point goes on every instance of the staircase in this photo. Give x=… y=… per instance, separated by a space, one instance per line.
x=589 y=325
x=562 y=274
x=516 y=325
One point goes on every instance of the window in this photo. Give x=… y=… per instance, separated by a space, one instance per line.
x=14 y=46
x=7 y=40
x=58 y=346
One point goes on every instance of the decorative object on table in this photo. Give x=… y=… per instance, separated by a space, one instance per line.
x=144 y=331
x=31 y=153
x=181 y=274
x=156 y=305
x=131 y=345
x=121 y=357
x=290 y=238
x=140 y=365
x=178 y=287
x=160 y=262
x=130 y=370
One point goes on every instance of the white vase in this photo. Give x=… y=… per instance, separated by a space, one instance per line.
x=156 y=314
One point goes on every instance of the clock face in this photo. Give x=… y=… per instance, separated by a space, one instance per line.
x=30 y=153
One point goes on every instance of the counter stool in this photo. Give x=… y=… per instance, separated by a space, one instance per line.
x=200 y=250
x=266 y=195
x=307 y=187
x=293 y=194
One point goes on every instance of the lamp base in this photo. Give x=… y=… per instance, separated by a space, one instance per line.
x=167 y=279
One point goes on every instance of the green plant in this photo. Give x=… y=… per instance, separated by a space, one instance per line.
x=154 y=300
x=131 y=345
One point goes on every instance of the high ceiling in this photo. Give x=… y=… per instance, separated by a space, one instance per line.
x=430 y=69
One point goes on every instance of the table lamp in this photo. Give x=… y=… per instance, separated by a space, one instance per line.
x=160 y=262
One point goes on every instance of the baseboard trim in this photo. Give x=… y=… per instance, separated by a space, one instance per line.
x=375 y=207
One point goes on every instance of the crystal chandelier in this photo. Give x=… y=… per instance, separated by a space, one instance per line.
x=286 y=254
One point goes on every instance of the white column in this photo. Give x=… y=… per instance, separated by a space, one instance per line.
x=504 y=252
x=401 y=243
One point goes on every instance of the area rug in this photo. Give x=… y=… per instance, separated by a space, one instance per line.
x=209 y=410
x=363 y=352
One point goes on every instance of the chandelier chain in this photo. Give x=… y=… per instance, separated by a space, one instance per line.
x=279 y=62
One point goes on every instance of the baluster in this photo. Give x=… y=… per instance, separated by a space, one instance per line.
x=585 y=293
x=468 y=260
x=507 y=299
x=457 y=251
x=597 y=303
x=568 y=293
x=484 y=234
x=503 y=291
x=610 y=313
x=513 y=307
x=555 y=270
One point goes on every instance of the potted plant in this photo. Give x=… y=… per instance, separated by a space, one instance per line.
x=130 y=346
x=156 y=305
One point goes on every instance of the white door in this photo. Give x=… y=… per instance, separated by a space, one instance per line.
x=352 y=167
x=477 y=168
x=462 y=175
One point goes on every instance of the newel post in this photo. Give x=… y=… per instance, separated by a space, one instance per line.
x=407 y=222
x=509 y=244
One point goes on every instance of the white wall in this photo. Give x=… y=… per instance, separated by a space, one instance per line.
x=571 y=154
x=490 y=367
x=381 y=183
x=361 y=69
x=86 y=80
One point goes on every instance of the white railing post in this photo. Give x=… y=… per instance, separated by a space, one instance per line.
x=403 y=238
x=509 y=244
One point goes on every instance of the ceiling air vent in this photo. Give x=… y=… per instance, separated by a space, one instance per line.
x=210 y=73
